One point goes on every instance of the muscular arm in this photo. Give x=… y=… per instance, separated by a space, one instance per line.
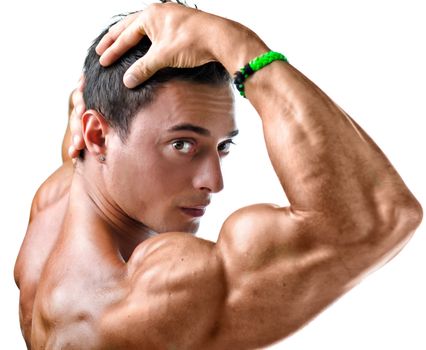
x=350 y=212
x=273 y=268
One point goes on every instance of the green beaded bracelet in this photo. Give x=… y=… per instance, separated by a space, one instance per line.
x=253 y=66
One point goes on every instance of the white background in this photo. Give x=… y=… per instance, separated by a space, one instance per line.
x=369 y=56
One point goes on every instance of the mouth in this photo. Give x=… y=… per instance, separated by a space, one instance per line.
x=194 y=212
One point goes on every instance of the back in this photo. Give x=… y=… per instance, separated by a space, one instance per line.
x=45 y=223
x=77 y=283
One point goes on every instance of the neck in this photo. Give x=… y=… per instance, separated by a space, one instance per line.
x=94 y=214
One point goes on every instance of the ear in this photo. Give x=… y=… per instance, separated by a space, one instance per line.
x=95 y=130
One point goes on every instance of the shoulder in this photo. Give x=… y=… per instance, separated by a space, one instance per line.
x=53 y=189
x=174 y=245
x=47 y=212
x=175 y=294
x=189 y=263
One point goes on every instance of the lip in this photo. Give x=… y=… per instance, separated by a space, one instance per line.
x=194 y=212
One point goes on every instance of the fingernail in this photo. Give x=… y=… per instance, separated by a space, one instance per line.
x=101 y=59
x=130 y=81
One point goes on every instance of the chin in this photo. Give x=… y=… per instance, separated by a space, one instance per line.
x=187 y=227
x=191 y=227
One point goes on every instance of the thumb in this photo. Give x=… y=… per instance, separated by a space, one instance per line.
x=142 y=69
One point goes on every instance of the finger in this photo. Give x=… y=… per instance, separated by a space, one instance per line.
x=76 y=132
x=143 y=68
x=77 y=140
x=78 y=101
x=113 y=33
x=72 y=152
x=75 y=121
x=128 y=38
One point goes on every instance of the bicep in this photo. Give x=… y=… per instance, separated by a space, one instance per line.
x=266 y=277
x=279 y=274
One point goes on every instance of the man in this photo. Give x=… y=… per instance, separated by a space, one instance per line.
x=125 y=272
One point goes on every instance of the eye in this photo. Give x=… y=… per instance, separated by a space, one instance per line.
x=225 y=146
x=183 y=146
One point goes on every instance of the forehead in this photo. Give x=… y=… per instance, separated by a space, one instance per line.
x=177 y=102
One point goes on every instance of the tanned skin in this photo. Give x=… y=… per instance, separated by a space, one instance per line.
x=107 y=280
x=47 y=214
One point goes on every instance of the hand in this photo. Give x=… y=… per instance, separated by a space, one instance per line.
x=181 y=37
x=77 y=141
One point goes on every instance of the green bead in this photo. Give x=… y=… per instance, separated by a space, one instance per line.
x=257 y=64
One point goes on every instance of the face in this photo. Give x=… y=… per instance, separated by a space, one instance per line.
x=166 y=171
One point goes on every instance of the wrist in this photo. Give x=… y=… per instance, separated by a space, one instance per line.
x=237 y=45
x=253 y=66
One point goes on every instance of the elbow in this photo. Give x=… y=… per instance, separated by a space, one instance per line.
x=410 y=216
x=398 y=222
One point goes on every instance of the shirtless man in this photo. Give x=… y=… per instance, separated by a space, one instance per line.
x=124 y=270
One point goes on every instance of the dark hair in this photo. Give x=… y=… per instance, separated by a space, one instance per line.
x=106 y=93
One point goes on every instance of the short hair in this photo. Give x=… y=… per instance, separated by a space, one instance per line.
x=106 y=93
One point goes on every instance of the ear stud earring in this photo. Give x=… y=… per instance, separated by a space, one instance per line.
x=102 y=158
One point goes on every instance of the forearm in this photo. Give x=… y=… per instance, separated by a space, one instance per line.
x=325 y=162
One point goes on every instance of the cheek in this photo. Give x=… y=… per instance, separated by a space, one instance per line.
x=122 y=180
x=165 y=172
x=144 y=183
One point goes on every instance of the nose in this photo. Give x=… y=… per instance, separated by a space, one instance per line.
x=209 y=175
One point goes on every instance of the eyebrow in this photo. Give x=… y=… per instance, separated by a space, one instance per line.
x=197 y=129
